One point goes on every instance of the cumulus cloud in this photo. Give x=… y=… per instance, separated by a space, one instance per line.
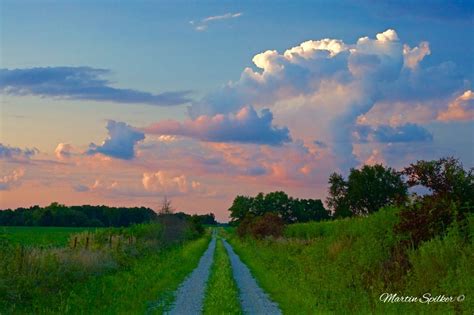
x=462 y=108
x=63 y=151
x=324 y=87
x=99 y=185
x=245 y=126
x=79 y=83
x=385 y=134
x=412 y=57
x=12 y=180
x=167 y=183
x=120 y=142
x=14 y=153
x=202 y=25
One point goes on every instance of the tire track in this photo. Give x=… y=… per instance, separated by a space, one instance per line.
x=190 y=294
x=252 y=298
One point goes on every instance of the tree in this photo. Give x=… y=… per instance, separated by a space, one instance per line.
x=337 y=199
x=240 y=208
x=366 y=190
x=279 y=203
x=305 y=210
x=373 y=187
x=166 y=207
x=445 y=176
x=451 y=200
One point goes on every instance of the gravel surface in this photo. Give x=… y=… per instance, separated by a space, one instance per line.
x=190 y=294
x=252 y=298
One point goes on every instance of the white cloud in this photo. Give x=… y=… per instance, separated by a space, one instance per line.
x=165 y=182
x=323 y=88
x=414 y=56
x=203 y=24
x=12 y=180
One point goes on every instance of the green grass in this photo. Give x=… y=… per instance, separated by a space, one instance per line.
x=222 y=295
x=340 y=267
x=40 y=236
x=145 y=287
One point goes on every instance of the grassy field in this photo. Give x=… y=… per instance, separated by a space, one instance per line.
x=343 y=266
x=146 y=287
x=39 y=235
x=222 y=295
x=117 y=269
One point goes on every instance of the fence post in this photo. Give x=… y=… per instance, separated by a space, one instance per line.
x=87 y=242
x=75 y=241
x=20 y=267
x=110 y=241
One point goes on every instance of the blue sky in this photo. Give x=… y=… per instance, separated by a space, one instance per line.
x=131 y=100
x=151 y=45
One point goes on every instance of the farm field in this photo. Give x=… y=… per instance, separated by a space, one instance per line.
x=45 y=275
x=40 y=235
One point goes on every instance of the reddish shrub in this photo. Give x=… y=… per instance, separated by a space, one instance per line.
x=269 y=224
x=426 y=219
x=244 y=226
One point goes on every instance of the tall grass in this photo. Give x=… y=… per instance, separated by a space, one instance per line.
x=146 y=287
x=343 y=266
x=222 y=294
x=30 y=276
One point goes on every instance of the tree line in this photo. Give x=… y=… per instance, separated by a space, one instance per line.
x=89 y=216
x=289 y=209
x=366 y=190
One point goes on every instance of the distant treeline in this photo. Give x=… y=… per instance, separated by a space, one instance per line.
x=289 y=209
x=92 y=216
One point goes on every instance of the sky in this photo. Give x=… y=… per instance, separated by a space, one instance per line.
x=125 y=102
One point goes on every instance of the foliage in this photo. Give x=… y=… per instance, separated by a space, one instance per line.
x=451 y=199
x=366 y=190
x=267 y=225
x=342 y=267
x=337 y=199
x=76 y=216
x=29 y=275
x=207 y=219
x=244 y=227
x=222 y=294
x=445 y=176
x=290 y=209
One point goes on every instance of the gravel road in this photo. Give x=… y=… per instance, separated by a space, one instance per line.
x=252 y=298
x=190 y=295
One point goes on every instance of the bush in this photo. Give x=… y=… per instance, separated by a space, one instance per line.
x=425 y=219
x=269 y=224
x=243 y=228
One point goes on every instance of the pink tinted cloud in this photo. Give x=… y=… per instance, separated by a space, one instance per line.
x=244 y=126
x=462 y=108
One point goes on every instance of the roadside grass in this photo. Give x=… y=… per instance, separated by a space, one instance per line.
x=40 y=236
x=222 y=294
x=36 y=280
x=146 y=287
x=340 y=267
